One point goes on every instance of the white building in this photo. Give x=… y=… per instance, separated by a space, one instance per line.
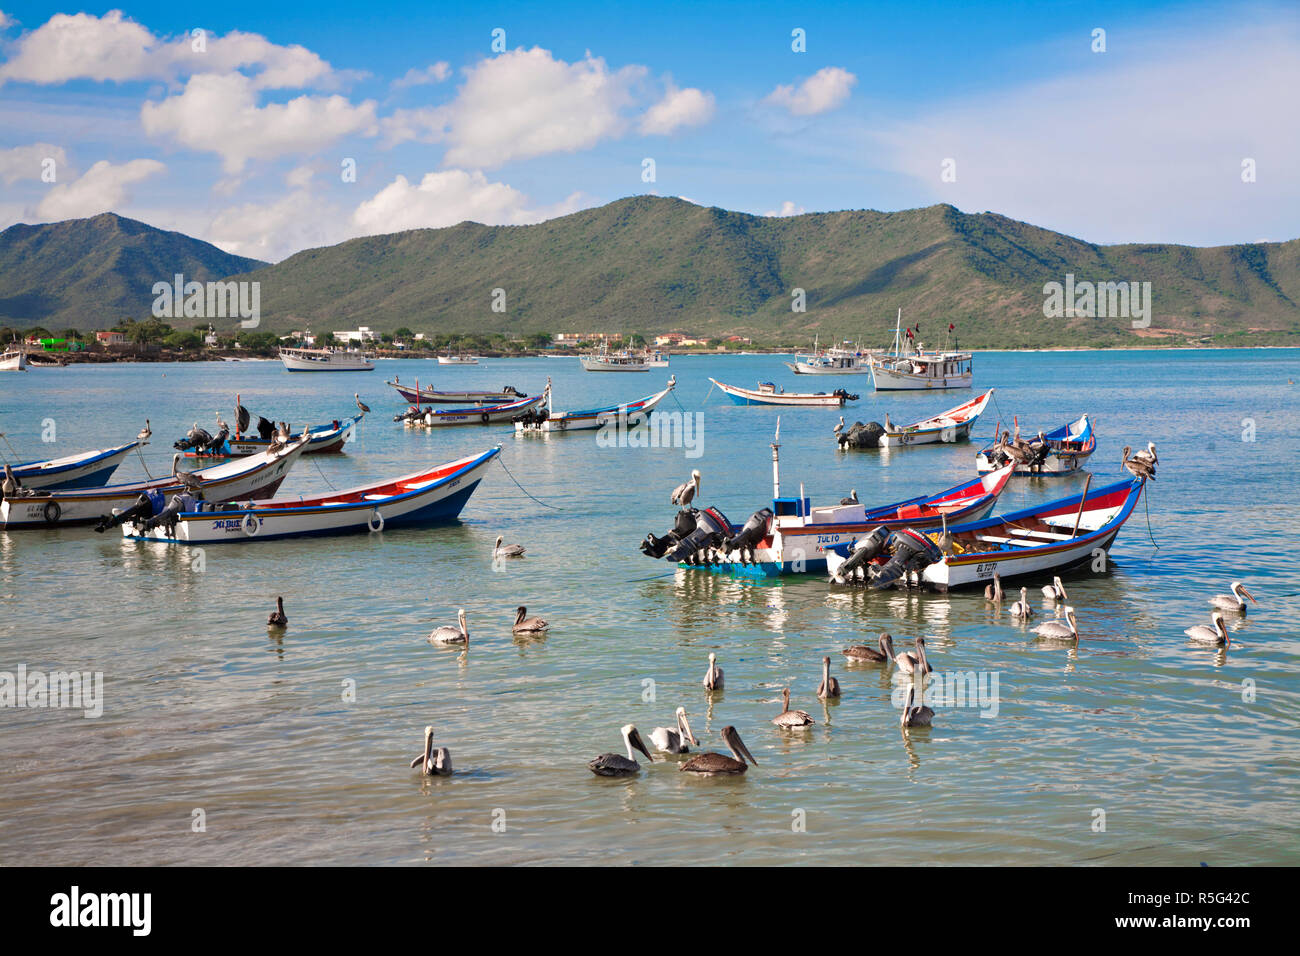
x=360 y=334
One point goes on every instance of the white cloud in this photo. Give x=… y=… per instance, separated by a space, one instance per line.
x=102 y=188
x=28 y=162
x=824 y=90
x=219 y=114
x=435 y=73
x=788 y=208
x=688 y=107
x=271 y=231
x=6 y=21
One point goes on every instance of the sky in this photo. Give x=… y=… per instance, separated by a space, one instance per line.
x=268 y=128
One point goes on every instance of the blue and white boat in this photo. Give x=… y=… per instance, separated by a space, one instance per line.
x=1062 y=451
x=630 y=413
x=88 y=469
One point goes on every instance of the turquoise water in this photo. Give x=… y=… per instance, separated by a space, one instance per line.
x=204 y=710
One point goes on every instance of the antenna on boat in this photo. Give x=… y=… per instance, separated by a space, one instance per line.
x=776 y=461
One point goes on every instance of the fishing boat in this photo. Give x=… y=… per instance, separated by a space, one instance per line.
x=327 y=439
x=325 y=360
x=769 y=394
x=431 y=496
x=547 y=420
x=951 y=426
x=1062 y=451
x=604 y=360
x=14 y=360
x=477 y=415
x=430 y=396
x=847 y=359
x=1037 y=541
x=457 y=359
x=88 y=469
x=254 y=477
x=656 y=359
x=905 y=367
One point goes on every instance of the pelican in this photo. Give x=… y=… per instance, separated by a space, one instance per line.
x=500 y=550
x=11 y=483
x=1148 y=454
x=711 y=763
x=865 y=652
x=1233 y=601
x=616 y=765
x=1138 y=467
x=993 y=592
x=889 y=426
x=713 y=676
x=145 y=432
x=1013 y=451
x=530 y=625
x=1054 y=592
x=685 y=493
x=915 y=716
x=910 y=663
x=186 y=478
x=365 y=409
x=840 y=427
x=674 y=741
x=1216 y=633
x=277 y=618
x=433 y=763
x=1021 y=608
x=830 y=686
x=791 y=718
x=451 y=635
x=1056 y=631
x=852 y=499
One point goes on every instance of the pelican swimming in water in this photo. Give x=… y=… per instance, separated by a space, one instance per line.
x=685 y=493
x=527 y=625
x=433 y=763
x=616 y=765
x=500 y=550
x=830 y=686
x=910 y=663
x=1021 y=608
x=1234 y=601
x=145 y=432
x=1215 y=633
x=993 y=592
x=713 y=676
x=451 y=635
x=711 y=763
x=1054 y=592
x=365 y=409
x=674 y=741
x=791 y=718
x=865 y=652
x=916 y=716
x=852 y=499
x=1056 y=631
x=277 y=618
x=1138 y=467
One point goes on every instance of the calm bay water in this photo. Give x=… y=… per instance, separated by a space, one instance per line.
x=204 y=710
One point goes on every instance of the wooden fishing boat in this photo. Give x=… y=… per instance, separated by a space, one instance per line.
x=254 y=477
x=458 y=359
x=604 y=360
x=769 y=394
x=950 y=426
x=1064 y=451
x=431 y=496
x=325 y=360
x=327 y=439
x=477 y=415
x=904 y=367
x=1034 y=542
x=430 y=396
x=88 y=469
x=14 y=360
x=630 y=413
x=847 y=359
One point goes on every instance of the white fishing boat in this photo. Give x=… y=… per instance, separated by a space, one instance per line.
x=325 y=360
x=656 y=359
x=846 y=359
x=416 y=417
x=457 y=359
x=630 y=414
x=14 y=360
x=768 y=393
x=327 y=439
x=604 y=360
x=907 y=367
x=951 y=426
x=88 y=469
x=1062 y=451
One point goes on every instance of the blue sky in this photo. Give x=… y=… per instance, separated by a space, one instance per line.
x=244 y=141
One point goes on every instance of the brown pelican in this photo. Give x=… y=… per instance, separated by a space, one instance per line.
x=910 y=663
x=527 y=625
x=830 y=686
x=11 y=483
x=433 y=763
x=186 y=478
x=685 y=493
x=840 y=427
x=1021 y=608
x=451 y=635
x=993 y=592
x=1054 y=592
x=500 y=550
x=616 y=765
x=1056 y=631
x=144 y=432
x=674 y=741
x=1233 y=601
x=864 y=652
x=277 y=618
x=915 y=716
x=791 y=718
x=1013 y=451
x=1215 y=633
x=1138 y=467
x=713 y=676
x=1148 y=454
x=852 y=499
x=712 y=763
x=365 y=409
x=889 y=426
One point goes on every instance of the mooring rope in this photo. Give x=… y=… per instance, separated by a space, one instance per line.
x=1146 y=505
x=525 y=490
x=322 y=475
x=140 y=454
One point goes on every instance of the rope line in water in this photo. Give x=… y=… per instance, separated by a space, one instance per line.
x=322 y=475
x=525 y=490
x=140 y=454
x=1146 y=504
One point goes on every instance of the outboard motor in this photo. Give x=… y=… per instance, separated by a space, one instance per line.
x=181 y=501
x=711 y=528
x=657 y=547
x=748 y=537
x=511 y=390
x=532 y=417
x=912 y=551
x=863 y=551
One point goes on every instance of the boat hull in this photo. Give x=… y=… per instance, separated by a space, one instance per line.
x=953 y=425
x=429 y=396
x=480 y=415
x=90 y=469
x=630 y=415
x=322 y=361
x=749 y=396
x=890 y=380
x=13 y=361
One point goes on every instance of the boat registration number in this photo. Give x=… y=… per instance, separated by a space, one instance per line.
x=985 y=570
x=828 y=538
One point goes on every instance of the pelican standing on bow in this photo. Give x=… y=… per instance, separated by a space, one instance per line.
x=674 y=741
x=920 y=716
x=433 y=763
x=1021 y=608
x=910 y=663
x=830 y=686
x=791 y=718
x=1138 y=467
x=1054 y=592
x=616 y=765
x=528 y=625
x=711 y=763
x=365 y=409
x=713 y=676
x=867 y=653
x=1148 y=454
x=1056 y=631
x=451 y=635
x=11 y=484
x=1216 y=633
x=500 y=550
x=186 y=478
x=993 y=592
x=685 y=493
x=1234 y=601
x=144 y=433
x=277 y=618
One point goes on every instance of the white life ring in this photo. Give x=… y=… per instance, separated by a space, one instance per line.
x=256 y=526
x=370 y=523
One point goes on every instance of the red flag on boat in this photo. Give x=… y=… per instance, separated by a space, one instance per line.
x=951 y=326
x=909 y=332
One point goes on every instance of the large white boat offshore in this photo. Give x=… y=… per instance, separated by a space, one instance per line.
x=907 y=367
x=325 y=360
x=846 y=359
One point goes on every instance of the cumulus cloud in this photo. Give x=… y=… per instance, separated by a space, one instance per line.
x=271 y=231
x=678 y=108
x=28 y=162
x=788 y=208
x=101 y=188
x=6 y=21
x=434 y=73
x=824 y=90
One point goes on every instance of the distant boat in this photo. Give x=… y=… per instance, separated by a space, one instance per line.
x=476 y=415
x=458 y=359
x=325 y=360
x=430 y=396
x=15 y=360
x=836 y=360
x=950 y=426
x=768 y=394
x=604 y=360
x=905 y=368
x=547 y=420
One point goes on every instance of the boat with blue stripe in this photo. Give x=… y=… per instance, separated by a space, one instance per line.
x=88 y=469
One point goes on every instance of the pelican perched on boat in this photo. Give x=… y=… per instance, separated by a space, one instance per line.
x=433 y=763
x=1021 y=608
x=1215 y=633
x=1056 y=631
x=277 y=618
x=910 y=663
x=993 y=592
x=184 y=477
x=500 y=550
x=920 y=716
x=713 y=676
x=685 y=493
x=711 y=763
x=1234 y=601
x=144 y=434
x=852 y=499
x=1138 y=467
x=1054 y=592
x=528 y=625
x=451 y=635
x=1012 y=450
x=1148 y=454
x=11 y=484
x=365 y=409
x=830 y=686
x=616 y=765
x=889 y=426
x=674 y=741
x=867 y=653
x=791 y=718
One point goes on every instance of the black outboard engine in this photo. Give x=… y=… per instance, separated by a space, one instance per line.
x=711 y=528
x=195 y=438
x=181 y=501
x=863 y=551
x=748 y=537
x=912 y=551
x=657 y=547
x=532 y=417
x=511 y=390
